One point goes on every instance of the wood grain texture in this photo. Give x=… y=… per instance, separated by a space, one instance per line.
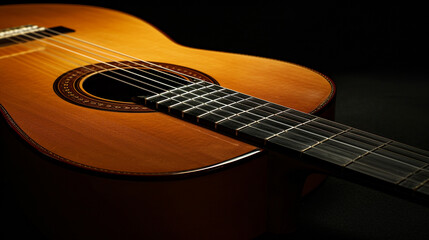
x=133 y=143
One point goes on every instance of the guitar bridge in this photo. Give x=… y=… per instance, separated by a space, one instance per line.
x=15 y=31
x=25 y=33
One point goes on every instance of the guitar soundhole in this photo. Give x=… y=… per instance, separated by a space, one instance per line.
x=110 y=86
x=106 y=86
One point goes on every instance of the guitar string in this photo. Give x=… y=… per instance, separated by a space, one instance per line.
x=124 y=64
x=98 y=60
x=392 y=159
x=252 y=119
x=101 y=47
x=125 y=55
x=118 y=53
x=55 y=33
x=362 y=149
x=57 y=55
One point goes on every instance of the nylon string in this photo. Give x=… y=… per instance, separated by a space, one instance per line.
x=94 y=48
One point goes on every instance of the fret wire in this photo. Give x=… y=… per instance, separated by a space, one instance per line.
x=229 y=118
x=410 y=151
x=216 y=102
x=407 y=178
x=372 y=151
x=247 y=125
x=387 y=157
x=294 y=127
x=248 y=111
x=329 y=138
x=287 y=110
x=368 y=152
x=264 y=118
x=421 y=184
x=379 y=169
x=360 y=137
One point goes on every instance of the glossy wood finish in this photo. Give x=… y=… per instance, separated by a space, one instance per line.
x=133 y=143
x=239 y=201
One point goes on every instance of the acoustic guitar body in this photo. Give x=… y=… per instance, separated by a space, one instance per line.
x=85 y=166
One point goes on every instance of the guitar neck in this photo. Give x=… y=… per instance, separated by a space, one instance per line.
x=339 y=149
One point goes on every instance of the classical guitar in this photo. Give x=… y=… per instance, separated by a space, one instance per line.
x=118 y=132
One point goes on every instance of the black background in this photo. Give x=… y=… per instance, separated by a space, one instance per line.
x=376 y=55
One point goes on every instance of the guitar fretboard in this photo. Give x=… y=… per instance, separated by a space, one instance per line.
x=341 y=149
